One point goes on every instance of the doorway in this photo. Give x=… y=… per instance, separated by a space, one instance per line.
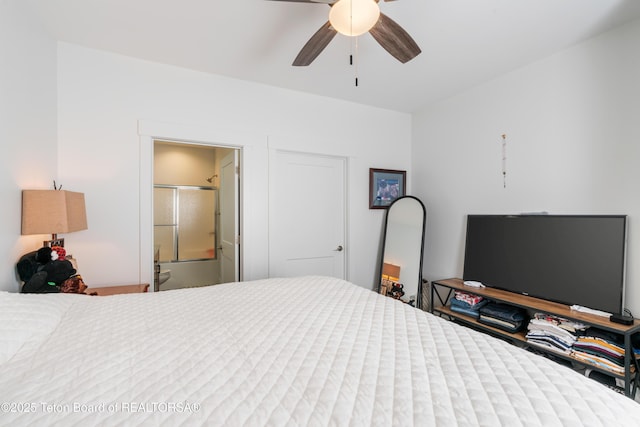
x=195 y=215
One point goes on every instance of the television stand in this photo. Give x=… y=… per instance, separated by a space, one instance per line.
x=442 y=290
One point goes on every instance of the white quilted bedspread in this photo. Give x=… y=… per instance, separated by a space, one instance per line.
x=280 y=352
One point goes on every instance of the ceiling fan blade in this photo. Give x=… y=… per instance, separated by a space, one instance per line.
x=394 y=39
x=315 y=45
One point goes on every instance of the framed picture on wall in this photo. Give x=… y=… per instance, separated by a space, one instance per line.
x=385 y=185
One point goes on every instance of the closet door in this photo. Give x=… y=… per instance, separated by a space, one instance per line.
x=307 y=215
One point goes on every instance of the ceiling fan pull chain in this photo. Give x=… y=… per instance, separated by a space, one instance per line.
x=351 y=63
x=351 y=32
x=356 y=61
x=504 y=160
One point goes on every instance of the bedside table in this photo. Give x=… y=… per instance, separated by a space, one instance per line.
x=122 y=289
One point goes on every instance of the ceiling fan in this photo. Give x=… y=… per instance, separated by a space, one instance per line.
x=352 y=18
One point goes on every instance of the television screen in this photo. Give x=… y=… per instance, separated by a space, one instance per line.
x=570 y=259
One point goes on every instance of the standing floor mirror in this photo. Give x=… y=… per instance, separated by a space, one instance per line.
x=400 y=274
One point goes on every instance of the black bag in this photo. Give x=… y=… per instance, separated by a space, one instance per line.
x=38 y=284
x=40 y=275
x=28 y=266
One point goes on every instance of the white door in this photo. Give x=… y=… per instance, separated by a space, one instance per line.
x=229 y=233
x=307 y=215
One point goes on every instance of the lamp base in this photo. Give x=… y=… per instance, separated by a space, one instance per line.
x=53 y=242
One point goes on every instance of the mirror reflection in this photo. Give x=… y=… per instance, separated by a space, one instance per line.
x=402 y=251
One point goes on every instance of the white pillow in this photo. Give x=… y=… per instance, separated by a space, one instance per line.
x=26 y=320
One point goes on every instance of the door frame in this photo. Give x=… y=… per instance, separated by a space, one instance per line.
x=148 y=132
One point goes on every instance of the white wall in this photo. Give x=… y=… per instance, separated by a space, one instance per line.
x=573 y=125
x=104 y=97
x=27 y=127
x=184 y=164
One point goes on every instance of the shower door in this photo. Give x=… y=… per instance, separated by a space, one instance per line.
x=185 y=226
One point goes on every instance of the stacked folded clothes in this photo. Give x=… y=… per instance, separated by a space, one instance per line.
x=503 y=316
x=601 y=348
x=553 y=333
x=466 y=303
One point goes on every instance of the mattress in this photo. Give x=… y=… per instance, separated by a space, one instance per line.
x=280 y=352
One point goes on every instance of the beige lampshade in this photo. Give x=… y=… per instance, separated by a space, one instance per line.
x=52 y=212
x=391 y=271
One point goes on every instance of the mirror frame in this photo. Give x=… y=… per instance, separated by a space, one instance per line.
x=418 y=303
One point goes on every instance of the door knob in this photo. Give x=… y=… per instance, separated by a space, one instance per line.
x=339 y=248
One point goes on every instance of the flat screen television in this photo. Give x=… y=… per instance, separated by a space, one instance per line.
x=570 y=259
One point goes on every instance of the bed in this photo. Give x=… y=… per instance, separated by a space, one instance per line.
x=281 y=352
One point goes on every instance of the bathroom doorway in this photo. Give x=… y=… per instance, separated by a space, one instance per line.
x=195 y=211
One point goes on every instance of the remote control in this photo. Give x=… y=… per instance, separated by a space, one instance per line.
x=621 y=318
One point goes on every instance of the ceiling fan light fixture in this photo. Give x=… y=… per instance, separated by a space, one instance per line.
x=354 y=17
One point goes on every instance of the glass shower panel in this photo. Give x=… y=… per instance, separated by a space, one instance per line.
x=196 y=219
x=164 y=240
x=164 y=221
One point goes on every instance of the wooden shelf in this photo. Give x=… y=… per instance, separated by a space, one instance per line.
x=538 y=304
x=518 y=336
x=532 y=304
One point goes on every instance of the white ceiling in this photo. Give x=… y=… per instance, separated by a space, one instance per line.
x=463 y=42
